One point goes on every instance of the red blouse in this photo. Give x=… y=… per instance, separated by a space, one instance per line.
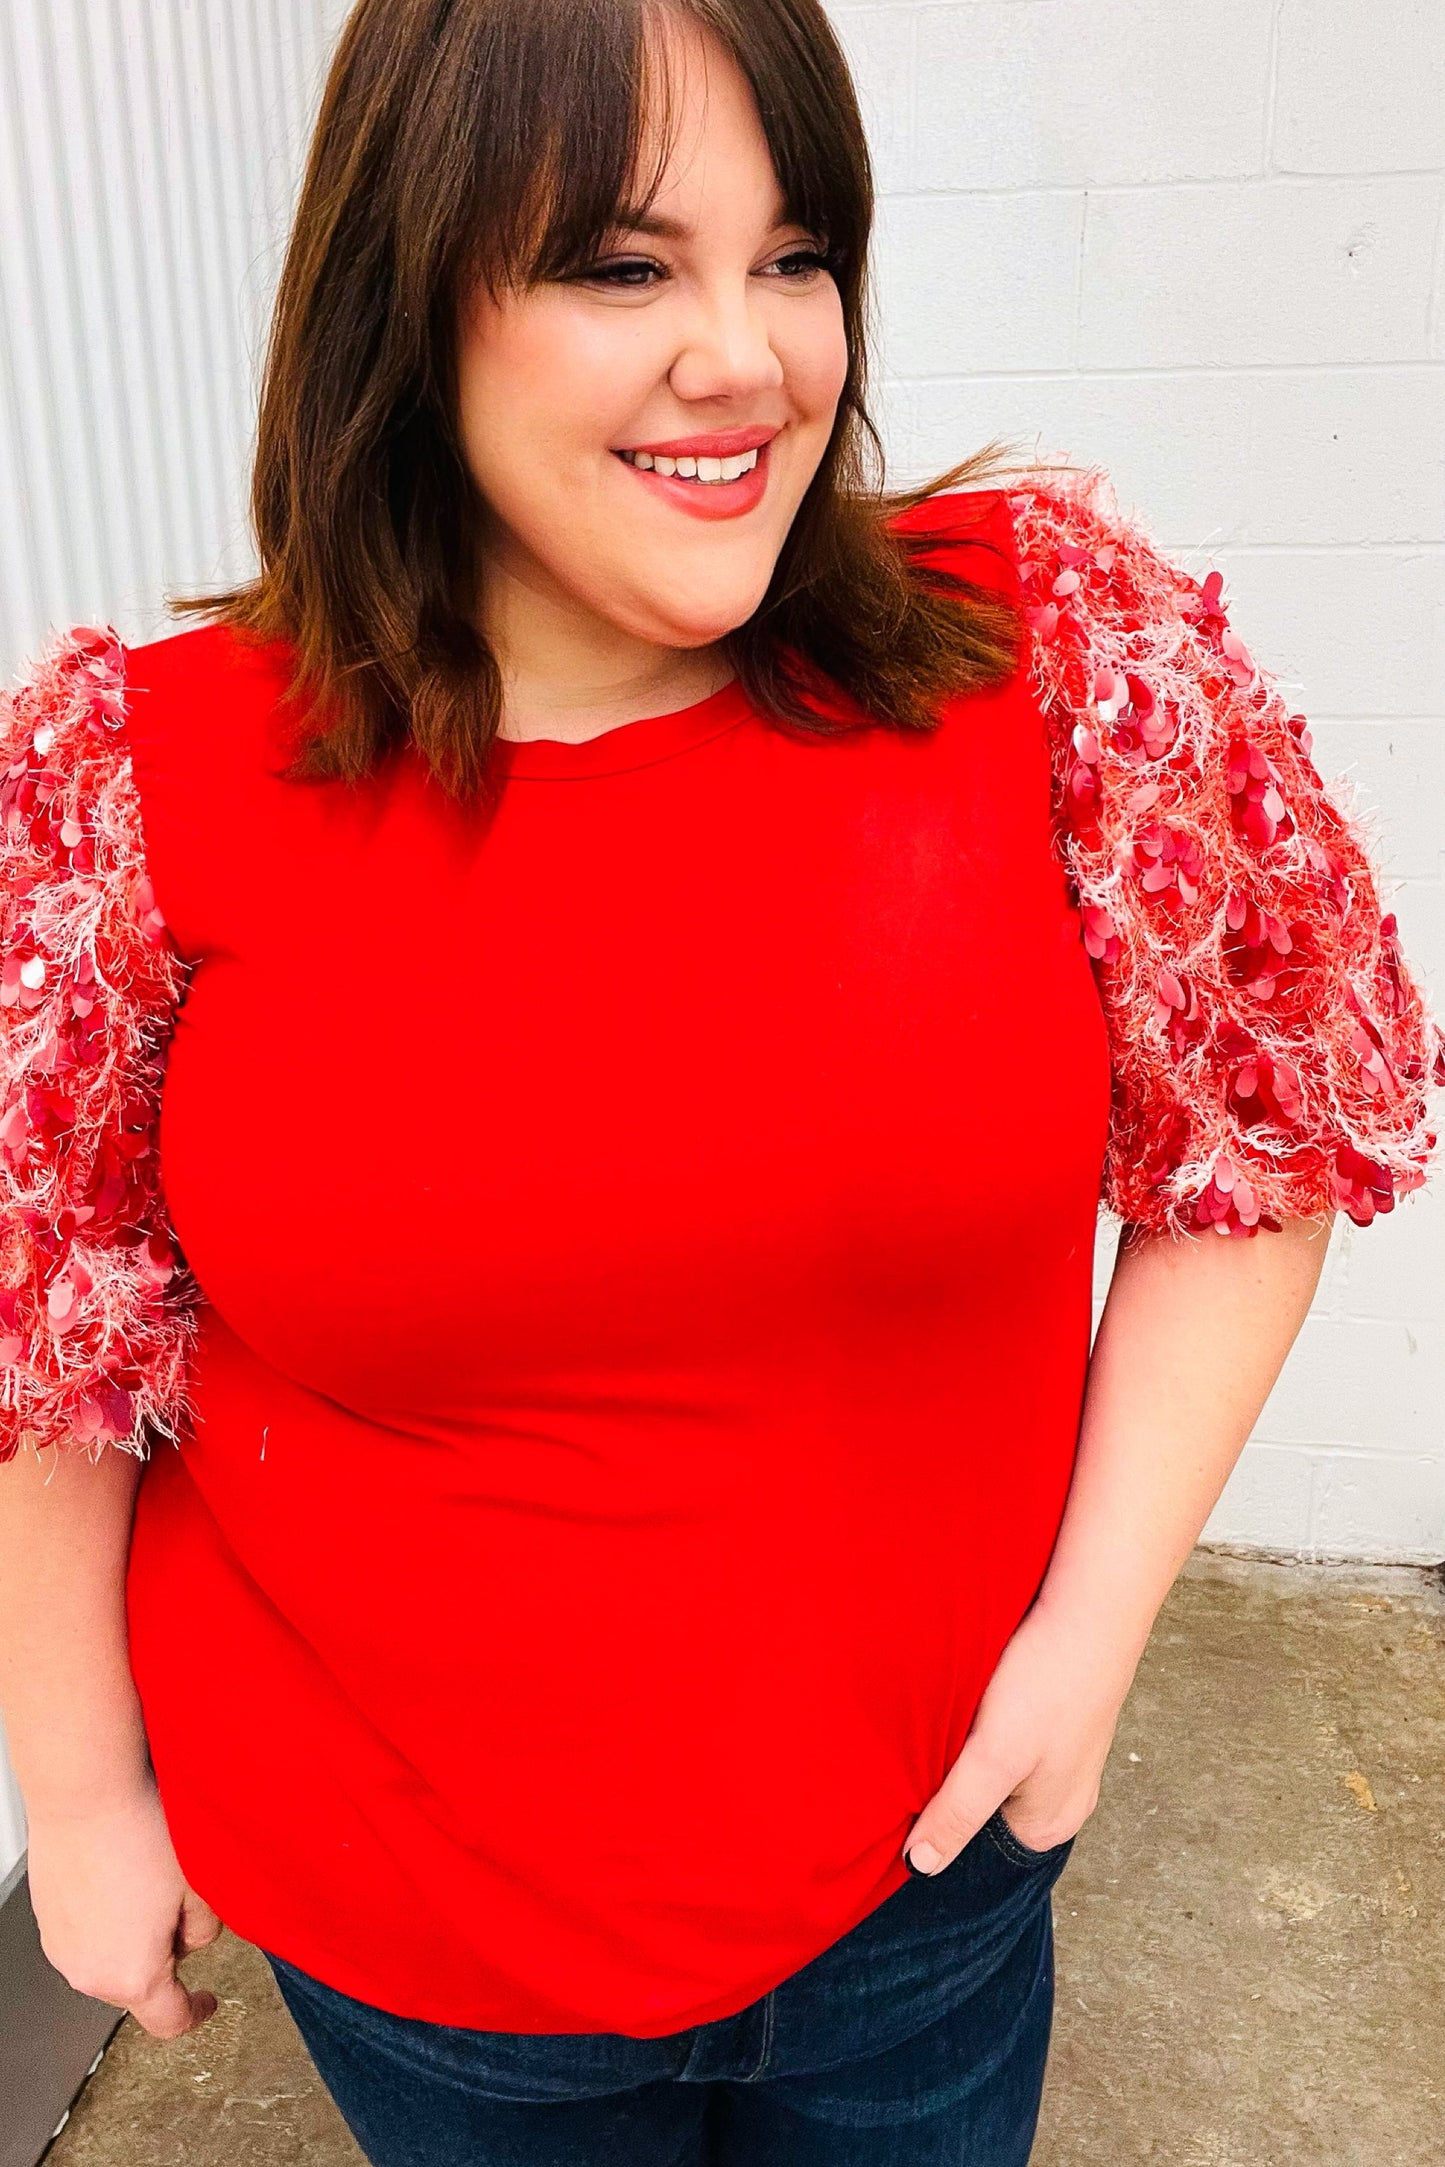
x=618 y=1275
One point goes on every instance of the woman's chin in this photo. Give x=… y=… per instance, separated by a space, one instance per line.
x=690 y=638
x=701 y=622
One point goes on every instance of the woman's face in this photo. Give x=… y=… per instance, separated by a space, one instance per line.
x=597 y=414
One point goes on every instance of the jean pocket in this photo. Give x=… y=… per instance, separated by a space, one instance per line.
x=1002 y=1837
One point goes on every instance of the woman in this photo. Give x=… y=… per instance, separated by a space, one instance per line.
x=654 y=950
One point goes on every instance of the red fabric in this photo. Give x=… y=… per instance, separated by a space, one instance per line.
x=648 y=1281
x=1272 y=1055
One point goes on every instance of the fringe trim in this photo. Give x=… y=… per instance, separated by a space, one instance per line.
x=1273 y=1056
x=96 y=1307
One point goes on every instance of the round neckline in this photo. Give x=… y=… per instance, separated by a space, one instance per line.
x=627 y=745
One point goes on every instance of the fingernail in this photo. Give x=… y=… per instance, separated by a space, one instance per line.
x=922 y=1859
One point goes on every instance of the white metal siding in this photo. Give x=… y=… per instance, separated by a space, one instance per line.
x=149 y=152
x=149 y=156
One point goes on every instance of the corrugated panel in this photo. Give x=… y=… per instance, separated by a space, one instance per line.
x=12 y=1817
x=149 y=155
x=150 y=152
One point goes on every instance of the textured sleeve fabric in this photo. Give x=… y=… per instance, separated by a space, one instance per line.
x=1272 y=1056
x=96 y=1311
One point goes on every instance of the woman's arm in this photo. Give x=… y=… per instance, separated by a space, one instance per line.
x=1272 y=1060
x=95 y=1325
x=1193 y=1336
x=71 y=1711
x=110 y=1900
x=1194 y=1333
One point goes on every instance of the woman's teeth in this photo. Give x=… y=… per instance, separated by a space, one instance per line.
x=693 y=470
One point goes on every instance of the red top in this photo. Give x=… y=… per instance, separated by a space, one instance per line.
x=645 y=1249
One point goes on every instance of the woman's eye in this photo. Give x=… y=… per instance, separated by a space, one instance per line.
x=635 y=274
x=800 y=263
x=626 y=271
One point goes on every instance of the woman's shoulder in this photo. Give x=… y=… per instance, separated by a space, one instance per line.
x=213 y=657
x=62 y=751
x=1052 y=517
x=83 y=685
x=194 y=710
x=1039 y=528
x=72 y=850
x=950 y=513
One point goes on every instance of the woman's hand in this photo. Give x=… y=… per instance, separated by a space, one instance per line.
x=1192 y=1338
x=1037 y=1746
x=115 y=1914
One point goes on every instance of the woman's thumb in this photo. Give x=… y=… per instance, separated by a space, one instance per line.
x=171 y=2009
x=196 y=1928
x=198 y=1925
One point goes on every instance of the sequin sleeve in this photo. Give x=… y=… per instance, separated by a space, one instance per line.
x=1272 y=1055
x=96 y=1309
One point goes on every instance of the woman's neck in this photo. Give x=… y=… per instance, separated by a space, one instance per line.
x=569 y=674
x=554 y=702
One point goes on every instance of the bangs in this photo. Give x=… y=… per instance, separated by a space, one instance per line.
x=467 y=144
x=581 y=119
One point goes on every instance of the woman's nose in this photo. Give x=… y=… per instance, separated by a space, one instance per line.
x=728 y=351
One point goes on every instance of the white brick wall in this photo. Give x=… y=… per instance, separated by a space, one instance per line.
x=1205 y=247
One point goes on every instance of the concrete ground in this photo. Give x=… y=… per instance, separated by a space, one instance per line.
x=1251 y=1955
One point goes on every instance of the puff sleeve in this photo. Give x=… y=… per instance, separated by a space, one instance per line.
x=1272 y=1056
x=96 y=1310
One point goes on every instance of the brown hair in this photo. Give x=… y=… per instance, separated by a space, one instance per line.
x=496 y=139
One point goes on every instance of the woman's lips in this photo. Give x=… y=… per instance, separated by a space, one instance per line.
x=709 y=500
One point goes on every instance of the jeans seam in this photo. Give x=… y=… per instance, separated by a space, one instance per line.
x=767 y=2045
x=1003 y=1839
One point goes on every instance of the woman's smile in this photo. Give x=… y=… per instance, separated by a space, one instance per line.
x=716 y=474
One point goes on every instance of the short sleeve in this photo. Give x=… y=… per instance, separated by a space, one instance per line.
x=96 y=1307
x=1272 y=1055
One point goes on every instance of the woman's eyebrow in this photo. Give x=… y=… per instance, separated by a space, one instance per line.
x=662 y=229
x=638 y=220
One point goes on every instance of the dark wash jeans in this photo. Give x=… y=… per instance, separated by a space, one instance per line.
x=917 y=2040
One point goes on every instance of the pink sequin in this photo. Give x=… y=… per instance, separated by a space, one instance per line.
x=96 y=1314
x=1272 y=1050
